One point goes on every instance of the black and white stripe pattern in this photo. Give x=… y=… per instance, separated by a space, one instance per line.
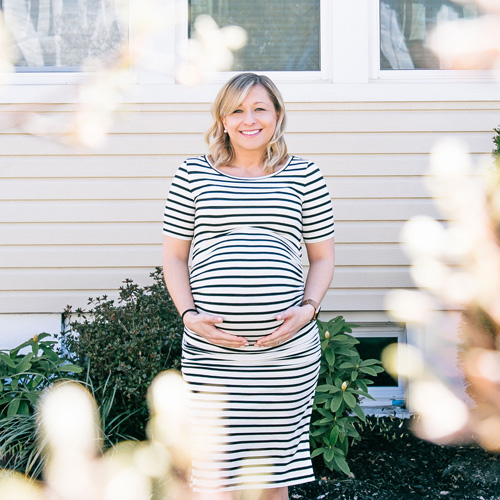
x=255 y=404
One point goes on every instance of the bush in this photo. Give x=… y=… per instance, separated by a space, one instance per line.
x=24 y=376
x=343 y=378
x=124 y=345
x=496 y=141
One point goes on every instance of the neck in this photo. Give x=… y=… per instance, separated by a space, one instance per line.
x=249 y=161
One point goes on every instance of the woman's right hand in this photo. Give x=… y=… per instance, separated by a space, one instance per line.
x=204 y=325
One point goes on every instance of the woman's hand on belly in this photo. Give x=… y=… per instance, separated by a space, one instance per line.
x=203 y=324
x=293 y=319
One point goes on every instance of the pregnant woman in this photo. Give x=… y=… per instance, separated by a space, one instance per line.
x=251 y=350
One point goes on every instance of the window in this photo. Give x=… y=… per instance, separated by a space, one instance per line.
x=63 y=35
x=283 y=35
x=374 y=338
x=405 y=26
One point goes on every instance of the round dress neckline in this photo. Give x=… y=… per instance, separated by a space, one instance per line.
x=249 y=178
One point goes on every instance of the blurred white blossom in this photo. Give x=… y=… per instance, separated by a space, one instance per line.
x=76 y=467
x=210 y=50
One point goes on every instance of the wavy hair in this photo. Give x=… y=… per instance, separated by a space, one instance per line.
x=228 y=99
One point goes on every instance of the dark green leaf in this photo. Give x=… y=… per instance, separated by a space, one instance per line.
x=368 y=370
x=23 y=409
x=7 y=360
x=349 y=399
x=323 y=388
x=346 y=365
x=70 y=368
x=321 y=398
x=342 y=465
x=53 y=356
x=336 y=402
x=317 y=451
x=25 y=363
x=334 y=434
x=329 y=455
x=32 y=396
x=318 y=432
x=13 y=407
x=369 y=362
x=330 y=356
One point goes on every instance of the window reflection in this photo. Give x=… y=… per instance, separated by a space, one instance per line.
x=283 y=35
x=405 y=26
x=63 y=34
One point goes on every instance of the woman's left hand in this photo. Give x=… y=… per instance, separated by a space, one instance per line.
x=293 y=320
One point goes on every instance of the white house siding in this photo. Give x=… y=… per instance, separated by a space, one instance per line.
x=75 y=223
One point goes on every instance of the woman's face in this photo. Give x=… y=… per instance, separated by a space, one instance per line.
x=252 y=124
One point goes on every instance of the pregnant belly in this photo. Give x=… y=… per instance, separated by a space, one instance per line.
x=247 y=281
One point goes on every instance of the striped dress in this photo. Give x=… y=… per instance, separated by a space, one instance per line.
x=250 y=407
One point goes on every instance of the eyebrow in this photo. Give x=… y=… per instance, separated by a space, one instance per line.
x=255 y=103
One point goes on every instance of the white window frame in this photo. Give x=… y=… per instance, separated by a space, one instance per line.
x=323 y=75
x=40 y=77
x=349 y=73
x=385 y=396
x=415 y=75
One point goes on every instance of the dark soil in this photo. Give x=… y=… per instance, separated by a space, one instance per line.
x=392 y=464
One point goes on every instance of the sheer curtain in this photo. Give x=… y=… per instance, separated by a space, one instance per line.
x=405 y=26
x=62 y=34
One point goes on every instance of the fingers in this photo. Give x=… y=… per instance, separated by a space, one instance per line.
x=292 y=322
x=205 y=326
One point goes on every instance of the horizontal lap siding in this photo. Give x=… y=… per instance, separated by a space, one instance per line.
x=75 y=223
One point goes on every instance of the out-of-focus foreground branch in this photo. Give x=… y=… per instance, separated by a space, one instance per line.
x=104 y=85
x=457 y=268
x=76 y=468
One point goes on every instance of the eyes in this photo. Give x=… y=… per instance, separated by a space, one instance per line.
x=239 y=110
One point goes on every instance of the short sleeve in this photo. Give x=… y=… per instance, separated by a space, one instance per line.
x=317 y=210
x=178 y=218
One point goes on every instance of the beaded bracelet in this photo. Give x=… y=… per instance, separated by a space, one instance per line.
x=186 y=311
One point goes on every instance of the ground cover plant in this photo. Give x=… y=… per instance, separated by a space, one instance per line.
x=390 y=463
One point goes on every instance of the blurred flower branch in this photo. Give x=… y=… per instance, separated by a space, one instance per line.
x=456 y=265
x=104 y=84
x=76 y=467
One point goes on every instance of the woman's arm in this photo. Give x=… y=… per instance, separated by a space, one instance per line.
x=176 y=273
x=321 y=257
x=321 y=265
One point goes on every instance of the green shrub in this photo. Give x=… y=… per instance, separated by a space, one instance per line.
x=343 y=378
x=24 y=376
x=496 y=141
x=124 y=345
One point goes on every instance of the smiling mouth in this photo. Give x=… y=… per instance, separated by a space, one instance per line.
x=250 y=132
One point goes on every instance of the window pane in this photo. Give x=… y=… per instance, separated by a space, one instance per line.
x=371 y=348
x=405 y=26
x=63 y=34
x=283 y=35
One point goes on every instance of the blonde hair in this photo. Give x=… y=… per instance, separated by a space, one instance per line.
x=228 y=99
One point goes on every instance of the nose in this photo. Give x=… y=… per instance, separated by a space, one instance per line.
x=249 y=118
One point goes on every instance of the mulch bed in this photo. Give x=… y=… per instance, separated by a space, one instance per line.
x=393 y=464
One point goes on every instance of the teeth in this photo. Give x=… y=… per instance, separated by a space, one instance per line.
x=253 y=132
